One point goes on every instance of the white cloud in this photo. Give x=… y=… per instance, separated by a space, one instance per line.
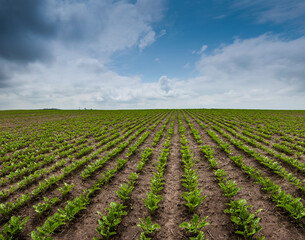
x=164 y=83
x=255 y=72
x=147 y=40
x=278 y=11
x=148 y=8
x=162 y=33
x=203 y=48
x=262 y=72
x=83 y=83
x=257 y=60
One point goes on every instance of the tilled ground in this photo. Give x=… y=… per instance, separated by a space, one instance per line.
x=275 y=222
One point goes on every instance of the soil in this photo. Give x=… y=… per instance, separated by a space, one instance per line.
x=271 y=216
x=275 y=222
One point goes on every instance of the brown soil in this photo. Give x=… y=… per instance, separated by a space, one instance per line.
x=275 y=222
x=84 y=226
x=129 y=229
x=171 y=210
x=214 y=204
x=80 y=185
x=271 y=216
x=251 y=161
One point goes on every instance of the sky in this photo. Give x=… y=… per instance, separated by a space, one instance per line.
x=143 y=54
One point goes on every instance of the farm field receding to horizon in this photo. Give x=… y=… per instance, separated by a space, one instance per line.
x=152 y=174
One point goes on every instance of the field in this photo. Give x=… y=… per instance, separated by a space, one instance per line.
x=159 y=174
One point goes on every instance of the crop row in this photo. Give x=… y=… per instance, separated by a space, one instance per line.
x=246 y=223
x=293 y=205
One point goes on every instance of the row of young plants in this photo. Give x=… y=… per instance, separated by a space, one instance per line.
x=8 y=207
x=193 y=197
x=256 y=137
x=108 y=223
x=246 y=223
x=33 y=163
x=284 y=149
x=159 y=133
x=91 y=168
x=157 y=181
x=293 y=205
x=62 y=216
x=21 y=159
x=32 y=178
x=148 y=228
x=40 y=173
x=125 y=188
x=43 y=207
x=126 y=124
x=39 y=137
x=300 y=150
x=17 y=162
x=24 y=144
x=72 y=208
x=267 y=162
x=264 y=123
x=52 y=223
x=40 y=143
x=266 y=137
x=284 y=146
x=289 y=160
x=286 y=201
x=114 y=132
x=27 y=180
x=99 y=163
x=13 y=228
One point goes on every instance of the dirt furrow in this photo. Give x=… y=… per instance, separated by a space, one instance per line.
x=88 y=218
x=214 y=204
x=80 y=185
x=128 y=229
x=170 y=212
x=251 y=161
x=271 y=216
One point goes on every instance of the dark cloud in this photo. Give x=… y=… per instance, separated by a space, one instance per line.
x=24 y=27
x=3 y=78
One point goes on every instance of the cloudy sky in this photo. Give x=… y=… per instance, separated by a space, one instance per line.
x=121 y=54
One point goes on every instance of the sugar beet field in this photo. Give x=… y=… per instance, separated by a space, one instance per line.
x=152 y=174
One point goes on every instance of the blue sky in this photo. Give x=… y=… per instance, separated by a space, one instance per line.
x=152 y=54
x=189 y=25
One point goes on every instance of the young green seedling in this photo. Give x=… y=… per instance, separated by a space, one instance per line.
x=147 y=226
x=152 y=202
x=195 y=225
x=12 y=229
x=40 y=208
x=65 y=189
x=246 y=223
x=108 y=223
x=124 y=192
x=193 y=199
